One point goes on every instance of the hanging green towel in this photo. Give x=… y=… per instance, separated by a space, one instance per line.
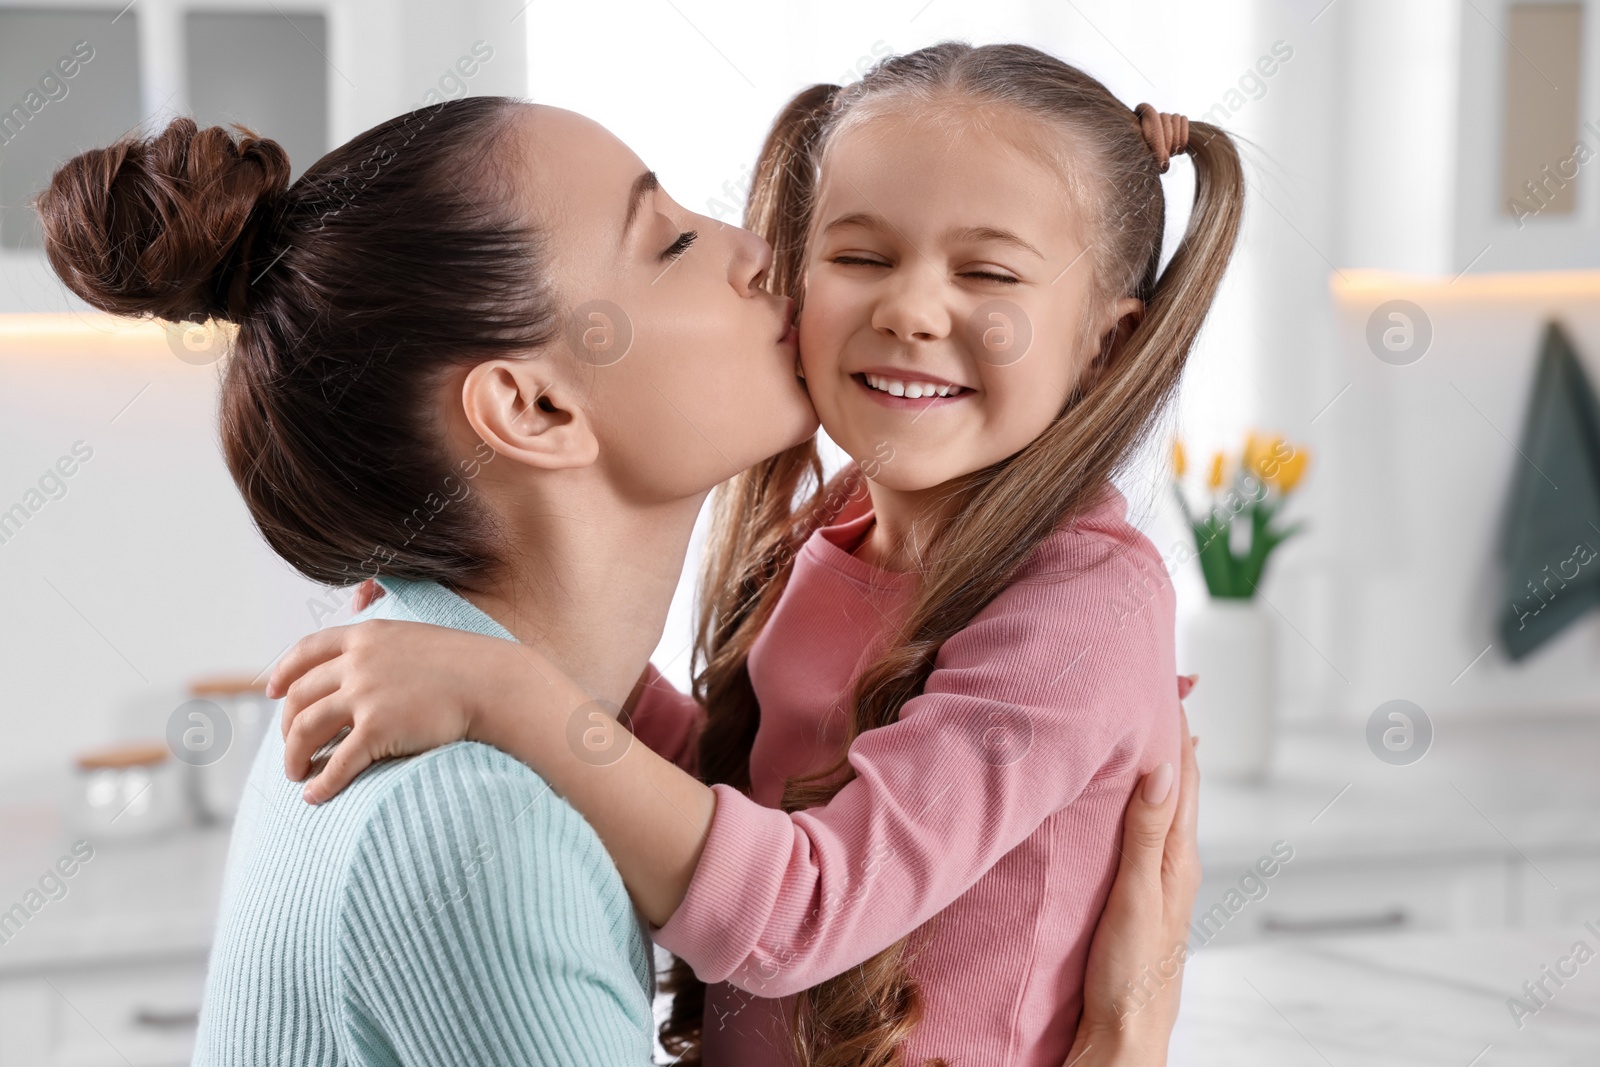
x=1551 y=541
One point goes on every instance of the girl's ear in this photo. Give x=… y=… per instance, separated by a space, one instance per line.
x=526 y=413
x=1127 y=313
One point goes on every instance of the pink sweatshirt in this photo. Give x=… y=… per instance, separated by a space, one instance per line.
x=986 y=820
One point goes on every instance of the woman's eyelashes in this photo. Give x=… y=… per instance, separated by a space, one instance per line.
x=681 y=245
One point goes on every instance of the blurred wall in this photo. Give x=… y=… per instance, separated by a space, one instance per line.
x=148 y=572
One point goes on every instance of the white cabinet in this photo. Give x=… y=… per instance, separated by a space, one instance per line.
x=141 y=1015
x=1372 y=895
x=1560 y=893
x=109 y=974
x=1356 y=896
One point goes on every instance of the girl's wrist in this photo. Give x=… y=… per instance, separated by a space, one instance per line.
x=1127 y=1046
x=522 y=706
x=515 y=681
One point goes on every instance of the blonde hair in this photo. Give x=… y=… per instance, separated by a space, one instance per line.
x=862 y=1017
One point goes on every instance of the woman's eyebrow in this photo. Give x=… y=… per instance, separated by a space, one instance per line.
x=643 y=186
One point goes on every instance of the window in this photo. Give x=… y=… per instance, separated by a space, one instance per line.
x=1540 y=122
x=69 y=80
x=265 y=70
x=74 y=79
x=1526 y=176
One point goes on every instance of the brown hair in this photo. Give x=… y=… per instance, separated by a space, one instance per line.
x=392 y=259
x=862 y=1017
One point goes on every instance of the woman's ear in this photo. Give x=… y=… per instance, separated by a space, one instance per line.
x=523 y=411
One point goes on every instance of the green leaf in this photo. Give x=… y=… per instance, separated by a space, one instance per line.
x=1230 y=576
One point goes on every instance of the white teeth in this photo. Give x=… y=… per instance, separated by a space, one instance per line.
x=909 y=390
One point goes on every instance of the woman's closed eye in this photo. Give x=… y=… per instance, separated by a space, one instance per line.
x=681 y=245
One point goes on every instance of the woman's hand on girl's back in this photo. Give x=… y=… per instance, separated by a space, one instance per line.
x=1135 y=971
x=400 y=687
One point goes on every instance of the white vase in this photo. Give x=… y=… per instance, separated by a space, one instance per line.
x=1229 y=644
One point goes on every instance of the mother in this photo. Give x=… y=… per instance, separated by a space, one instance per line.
x=413 y=390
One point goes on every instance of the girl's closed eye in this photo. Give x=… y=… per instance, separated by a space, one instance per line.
x=851 y=260
x=681 y=245
x=991 y=274
x=988 y=274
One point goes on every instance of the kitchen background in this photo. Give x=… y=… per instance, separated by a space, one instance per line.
x=1402 y=723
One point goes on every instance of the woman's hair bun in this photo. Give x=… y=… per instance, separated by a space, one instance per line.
x=167 y=225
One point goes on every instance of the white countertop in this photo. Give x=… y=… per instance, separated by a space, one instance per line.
x=132 y=901
x=1405 y=1000
x=1499 y=790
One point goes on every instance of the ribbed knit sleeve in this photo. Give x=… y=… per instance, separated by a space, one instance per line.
x=668 y=721
x=1054 y=685
x=483 y=924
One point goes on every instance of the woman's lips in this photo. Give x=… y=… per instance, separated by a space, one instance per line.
x=791 y=325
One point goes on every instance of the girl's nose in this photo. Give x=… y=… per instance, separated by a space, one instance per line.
x=913 y=309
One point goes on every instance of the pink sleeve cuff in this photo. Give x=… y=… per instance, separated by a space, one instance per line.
x=733 y=892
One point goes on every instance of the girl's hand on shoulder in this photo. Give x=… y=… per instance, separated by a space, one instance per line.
x=399 y=688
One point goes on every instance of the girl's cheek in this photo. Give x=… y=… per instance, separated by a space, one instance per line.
x=820 y=334
x=831 y=314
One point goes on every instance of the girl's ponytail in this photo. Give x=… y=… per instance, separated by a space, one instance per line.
x=1176 y=303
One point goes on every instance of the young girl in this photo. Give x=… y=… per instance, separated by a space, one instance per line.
x=922 y=700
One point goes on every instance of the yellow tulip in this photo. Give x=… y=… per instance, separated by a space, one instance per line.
x=1290 y=471
x=1180 y=459
x=1217 y=462
x=1261 y=455
x=1254 y=450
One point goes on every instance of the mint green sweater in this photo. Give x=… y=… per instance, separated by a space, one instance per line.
x=444 y=909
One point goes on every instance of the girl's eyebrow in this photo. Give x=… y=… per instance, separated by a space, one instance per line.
x=856 y=218
x=978 y=234
x=965 y=235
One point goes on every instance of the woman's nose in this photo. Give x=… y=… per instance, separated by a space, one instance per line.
x=751 y=262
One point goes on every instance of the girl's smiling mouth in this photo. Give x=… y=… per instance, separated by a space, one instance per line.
x=902 y=389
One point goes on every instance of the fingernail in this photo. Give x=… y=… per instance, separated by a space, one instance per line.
x=1158 y=784
x=1193 y=678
